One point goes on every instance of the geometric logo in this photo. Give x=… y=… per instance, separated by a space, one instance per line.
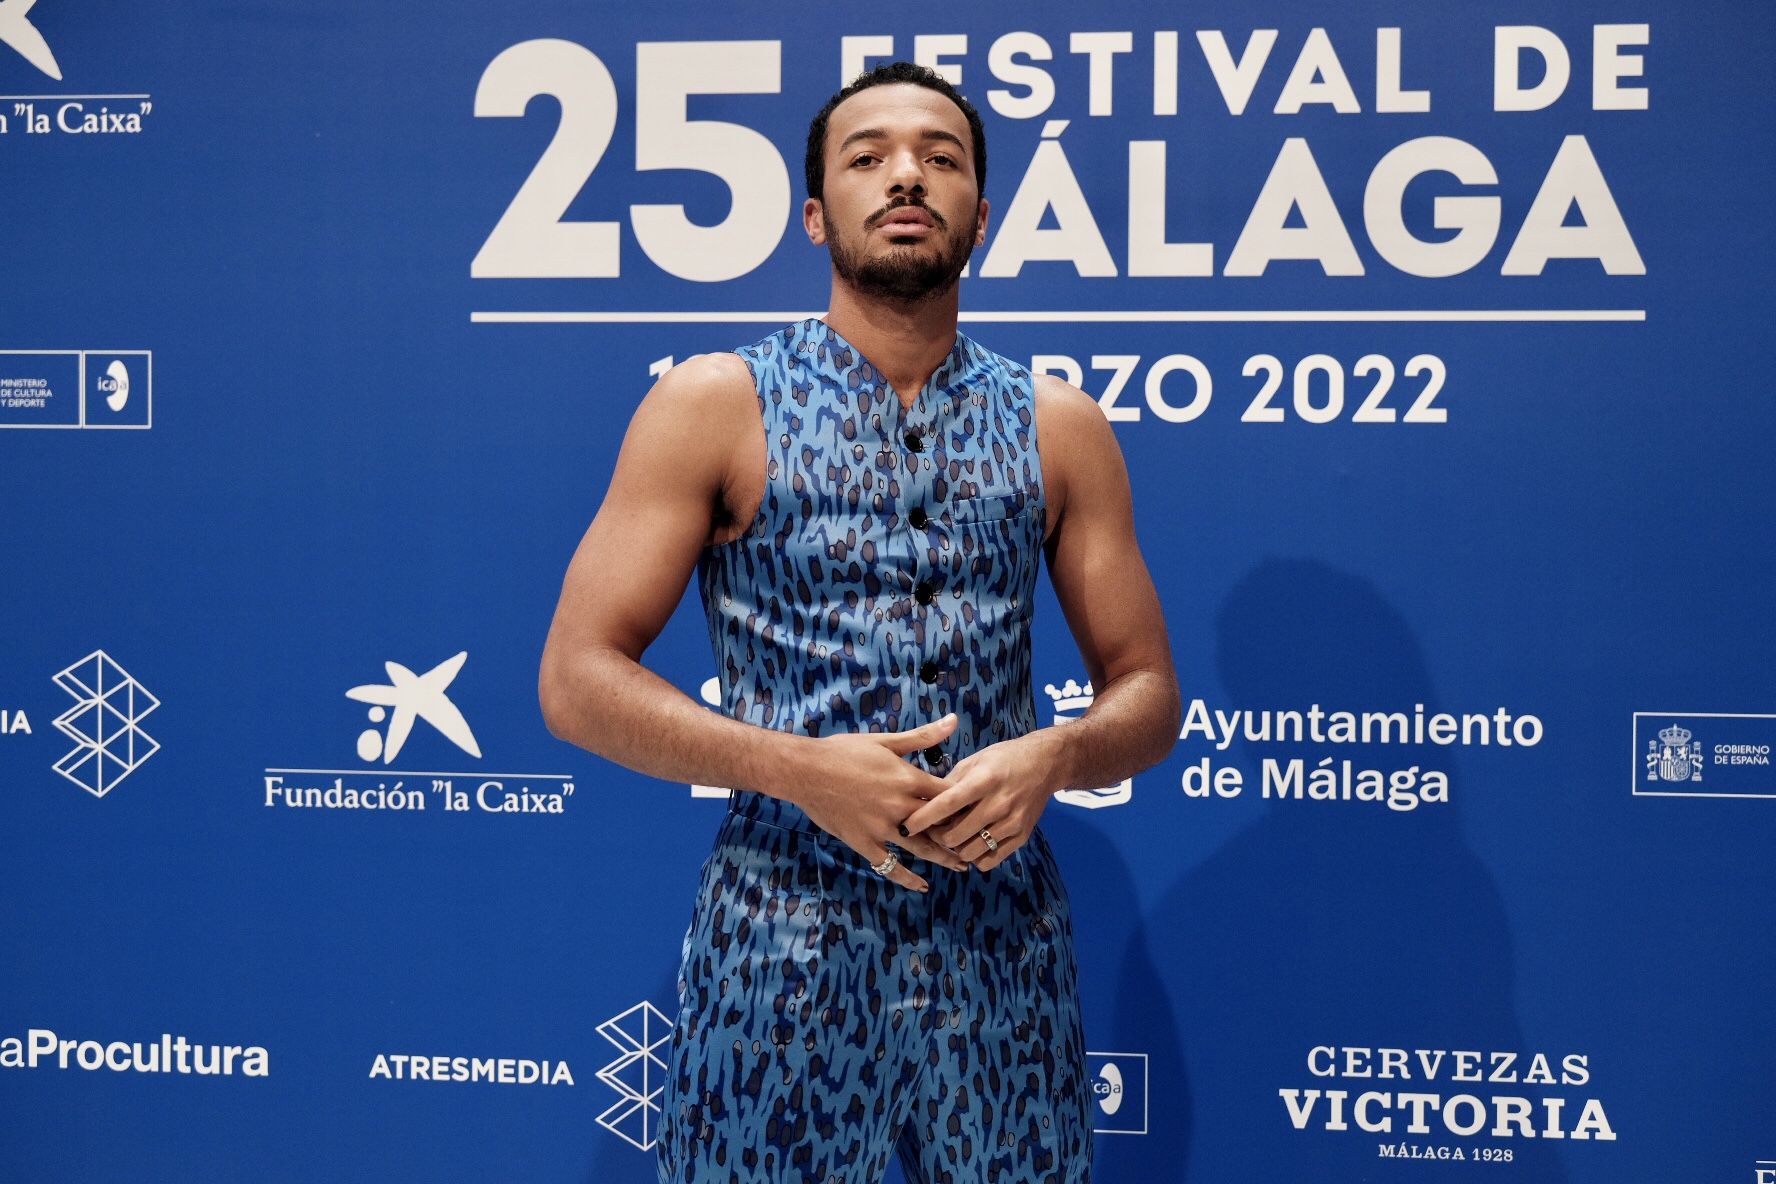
x=640 y=1033
x=104 y=723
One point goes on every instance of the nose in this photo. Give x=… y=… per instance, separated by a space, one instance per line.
x=906 y=175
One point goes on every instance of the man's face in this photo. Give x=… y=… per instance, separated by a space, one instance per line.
x=902 y=213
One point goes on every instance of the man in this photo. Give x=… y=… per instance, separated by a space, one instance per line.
x=880 y=958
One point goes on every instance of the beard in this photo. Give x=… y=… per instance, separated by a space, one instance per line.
x=905 y=273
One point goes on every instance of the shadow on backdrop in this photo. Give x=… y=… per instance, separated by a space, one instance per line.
x=1341 y=923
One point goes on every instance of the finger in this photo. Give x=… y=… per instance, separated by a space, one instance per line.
x=953 y=798
x=974 y=848
x=954 y=832
x=993 y=859
x=920 y=737
x=926 y=848
x=900 y=873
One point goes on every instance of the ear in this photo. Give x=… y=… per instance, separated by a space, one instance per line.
x=980 y=231
x=814 y=221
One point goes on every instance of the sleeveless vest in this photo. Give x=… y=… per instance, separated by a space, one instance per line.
x=888 y=576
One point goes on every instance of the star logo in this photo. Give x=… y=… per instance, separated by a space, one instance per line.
x=23 y=36
x=413 y=696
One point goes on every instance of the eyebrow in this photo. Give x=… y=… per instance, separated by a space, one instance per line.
x=876 y=133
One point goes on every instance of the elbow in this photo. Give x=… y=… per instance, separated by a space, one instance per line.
x=550 y=697
x=1165 y=741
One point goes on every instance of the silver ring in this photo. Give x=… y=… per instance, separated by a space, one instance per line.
x=887 y=865
x=992 y=843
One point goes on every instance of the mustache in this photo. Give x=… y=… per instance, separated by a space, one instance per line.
x=875 y=219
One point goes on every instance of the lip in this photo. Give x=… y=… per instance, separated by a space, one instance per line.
x=907 y=216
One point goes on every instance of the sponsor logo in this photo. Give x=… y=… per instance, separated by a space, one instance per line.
x=1370 y=775
x=1119 y=1089
x=73 y=115
x=1674 y=757
x=403 y=1066
x=1070 y=701
x=396 y=709
x=104 y=723
x=41 y=1048
x=1704 y=755
x=72 y=388
x=115 y=385
x=1765 y=1172
x=1415 y=1098
x=642 y=1035
x=17 y=31
x=413 y=696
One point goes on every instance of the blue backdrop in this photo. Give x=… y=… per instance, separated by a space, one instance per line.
x=1431 y=335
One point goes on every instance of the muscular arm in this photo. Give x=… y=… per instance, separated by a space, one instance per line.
x=1108 y=599
x=629 y=574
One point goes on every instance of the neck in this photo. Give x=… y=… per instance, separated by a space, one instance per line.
x=907 y=342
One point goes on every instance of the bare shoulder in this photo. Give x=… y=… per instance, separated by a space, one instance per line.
x=690 y=414
x=713 y=384
x=1070 y=408
x=700 y=426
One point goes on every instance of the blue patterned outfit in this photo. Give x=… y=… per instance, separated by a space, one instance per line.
x=829 y=1017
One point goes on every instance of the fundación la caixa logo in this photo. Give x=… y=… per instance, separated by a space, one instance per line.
x=1704 y=754
x=413 y=697
x=396 y=710
x=51 y=116
x=17 y=31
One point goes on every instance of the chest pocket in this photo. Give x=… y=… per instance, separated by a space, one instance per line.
x=989 y=508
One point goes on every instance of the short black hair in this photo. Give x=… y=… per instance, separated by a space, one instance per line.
x=814 y=167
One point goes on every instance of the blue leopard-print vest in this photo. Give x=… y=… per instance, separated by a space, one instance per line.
x=888 y=577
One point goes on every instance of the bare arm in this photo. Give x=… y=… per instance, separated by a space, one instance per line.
x=1109 y=601
x=629 y=574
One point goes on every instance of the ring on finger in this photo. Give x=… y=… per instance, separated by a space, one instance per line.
x=887 y=865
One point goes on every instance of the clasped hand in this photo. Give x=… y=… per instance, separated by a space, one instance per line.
x=866 y=796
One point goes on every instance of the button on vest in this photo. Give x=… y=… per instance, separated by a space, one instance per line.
x=809 y=619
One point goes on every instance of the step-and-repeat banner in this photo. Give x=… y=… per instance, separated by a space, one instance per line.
x=1435 y=338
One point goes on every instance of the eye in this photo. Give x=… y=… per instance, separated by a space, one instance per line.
x=943 y=156
x=861 y=157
